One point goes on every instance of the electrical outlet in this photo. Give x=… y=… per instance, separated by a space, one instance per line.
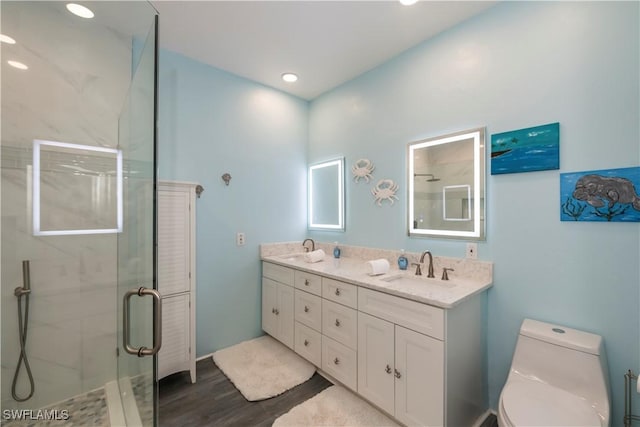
x=240 y=238
x=472 y=250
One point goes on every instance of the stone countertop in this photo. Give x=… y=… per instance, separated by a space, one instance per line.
x=470 y=281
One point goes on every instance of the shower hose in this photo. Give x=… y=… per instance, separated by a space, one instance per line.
x=22 y=331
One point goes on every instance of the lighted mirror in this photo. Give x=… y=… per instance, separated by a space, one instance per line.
x=446 y=186
x=77 y=189
x=326 y=195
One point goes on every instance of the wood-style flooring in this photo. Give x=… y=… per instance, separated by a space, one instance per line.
x=214 y=401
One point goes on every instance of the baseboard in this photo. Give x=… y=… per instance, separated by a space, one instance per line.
x=480 y=420
x=328 y=377
x=206 y=356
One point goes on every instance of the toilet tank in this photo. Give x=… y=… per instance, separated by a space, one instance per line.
x=566 y=358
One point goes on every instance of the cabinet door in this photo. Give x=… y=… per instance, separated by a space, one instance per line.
x=376 y=361
x=174 y=355
x=285 y=315
x=174 y=241
x=269 y=305
x=419 y=379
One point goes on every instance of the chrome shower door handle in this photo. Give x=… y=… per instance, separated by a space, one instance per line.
x=157 y=322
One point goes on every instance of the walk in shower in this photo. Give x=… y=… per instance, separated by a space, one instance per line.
x=78 y=213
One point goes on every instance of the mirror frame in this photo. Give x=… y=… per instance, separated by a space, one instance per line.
x=340 y=225
x=36 y=207
x=479 y=221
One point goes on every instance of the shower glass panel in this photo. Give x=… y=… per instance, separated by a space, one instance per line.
x=136 y=266
x=82 y=77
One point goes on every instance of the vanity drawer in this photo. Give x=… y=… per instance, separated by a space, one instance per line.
x=340 y=362
x=308 y=282
x=340 y=292
x=278 y=273
x=308 y=343
x=308 y=309
x=340 y=323
x=413 y=315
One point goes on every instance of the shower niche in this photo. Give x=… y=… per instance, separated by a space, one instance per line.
x=77 y=189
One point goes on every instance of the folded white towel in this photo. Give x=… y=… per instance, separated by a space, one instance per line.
x=378 y=266
x=314 y=256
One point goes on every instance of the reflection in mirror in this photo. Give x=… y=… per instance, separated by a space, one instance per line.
x=326 y=195
x=446 y=186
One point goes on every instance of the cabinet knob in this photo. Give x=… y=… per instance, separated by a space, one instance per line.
x=336 y=361
x=306 y=343
x=337 y=323
x=306 y=309
x=338 y=291
x=388 y=369
x=306 y=282
x=277 y=312
x=398 y=375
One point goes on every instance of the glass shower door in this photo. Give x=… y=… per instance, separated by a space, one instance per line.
x=138 y=302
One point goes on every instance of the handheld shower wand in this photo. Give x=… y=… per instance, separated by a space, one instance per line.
x=20 y=292
x=26 y=281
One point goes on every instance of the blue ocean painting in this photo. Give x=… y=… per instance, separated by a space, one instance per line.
x=526 y=150
x=610 y=195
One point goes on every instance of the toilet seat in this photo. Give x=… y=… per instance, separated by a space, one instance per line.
x=532 y=403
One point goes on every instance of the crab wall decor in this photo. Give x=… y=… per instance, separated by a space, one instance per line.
x=385 y=189
x=362 y=168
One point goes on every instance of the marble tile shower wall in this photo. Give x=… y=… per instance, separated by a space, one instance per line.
x=75 y=93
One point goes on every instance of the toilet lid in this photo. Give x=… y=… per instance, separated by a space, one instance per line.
x=533 y=403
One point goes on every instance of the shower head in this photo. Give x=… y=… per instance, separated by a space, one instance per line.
x=432 y=179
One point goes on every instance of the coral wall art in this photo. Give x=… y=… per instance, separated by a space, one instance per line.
x=604 y=195
x=526 y=150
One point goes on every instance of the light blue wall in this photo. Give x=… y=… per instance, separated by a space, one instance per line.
x=212 y=122
x=517 y=65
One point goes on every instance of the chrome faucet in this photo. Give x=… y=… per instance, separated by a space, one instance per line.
x=313 y=245
x=430 y=268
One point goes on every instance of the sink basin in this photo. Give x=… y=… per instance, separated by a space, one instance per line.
x=403 y=279
x=292 y=257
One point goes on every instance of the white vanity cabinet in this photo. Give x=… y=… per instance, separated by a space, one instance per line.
x=420 y=363
x=277 y=302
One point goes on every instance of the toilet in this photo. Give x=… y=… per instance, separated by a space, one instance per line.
x=558 y=377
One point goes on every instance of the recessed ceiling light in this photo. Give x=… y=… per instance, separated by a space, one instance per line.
x=18 y=65
x=6 y=39
x=79 y=10
x=289 y=77
x=408 y=2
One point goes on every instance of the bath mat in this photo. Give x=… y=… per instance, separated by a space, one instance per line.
x=335 y=406
x=263 y=367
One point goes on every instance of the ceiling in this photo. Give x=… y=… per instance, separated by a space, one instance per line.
x=325 y=42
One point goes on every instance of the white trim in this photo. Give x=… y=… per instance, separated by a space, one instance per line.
x=483 y=417
x=206 y=356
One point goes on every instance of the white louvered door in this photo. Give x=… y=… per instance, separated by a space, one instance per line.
x=176 y=276
x=174 y=243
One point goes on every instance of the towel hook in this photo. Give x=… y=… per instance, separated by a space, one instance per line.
x=226 y=178
x=199 y=190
